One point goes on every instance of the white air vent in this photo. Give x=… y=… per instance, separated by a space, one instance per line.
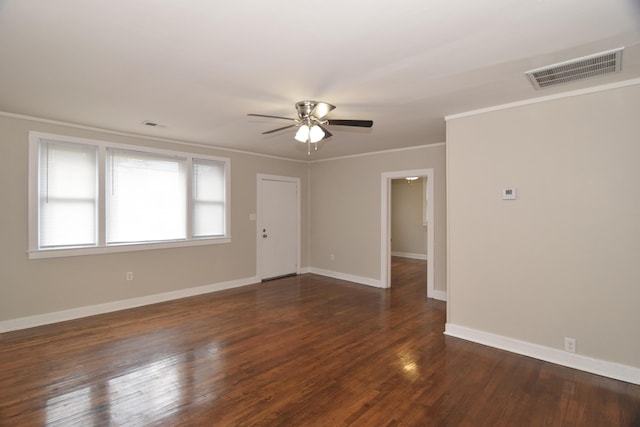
x=576 y=69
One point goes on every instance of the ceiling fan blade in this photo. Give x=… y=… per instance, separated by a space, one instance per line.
x=272 y=117
x=327 y=134
x=358 y=123
x=321 y=109
x=276 y=130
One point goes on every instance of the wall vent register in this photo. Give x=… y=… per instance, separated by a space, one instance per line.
x=576 y=69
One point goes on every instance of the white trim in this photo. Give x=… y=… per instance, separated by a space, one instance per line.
x=76 y=313
x=576 y=361
x=141 y=136
x=60 y=253
x=372 y=153
x=578 y=92
x=348 y=277
x=196 y=144
x=447 y=230
x=385 y=225
x=439 y=295
x=267 y=177
x=409 y=255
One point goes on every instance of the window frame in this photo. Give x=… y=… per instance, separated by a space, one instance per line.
x=35 y=252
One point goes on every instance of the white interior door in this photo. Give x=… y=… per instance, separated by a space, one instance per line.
x=278 y=226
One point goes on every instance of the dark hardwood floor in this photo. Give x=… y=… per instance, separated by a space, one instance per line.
x=297 y=351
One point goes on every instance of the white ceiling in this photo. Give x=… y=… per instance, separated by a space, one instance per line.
x=197 y=67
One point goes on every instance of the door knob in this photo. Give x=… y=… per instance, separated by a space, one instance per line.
x=264 y=235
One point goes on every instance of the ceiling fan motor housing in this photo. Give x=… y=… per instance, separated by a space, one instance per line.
x=313 y=108
x=305 y=108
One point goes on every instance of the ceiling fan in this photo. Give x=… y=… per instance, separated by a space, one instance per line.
x=311 y=122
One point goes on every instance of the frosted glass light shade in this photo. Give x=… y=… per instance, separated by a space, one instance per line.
x=303 y=134
x=316 y=134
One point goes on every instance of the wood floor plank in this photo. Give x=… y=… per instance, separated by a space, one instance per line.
x=297 y=351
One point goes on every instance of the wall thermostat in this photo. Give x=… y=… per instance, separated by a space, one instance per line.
x=509 y=194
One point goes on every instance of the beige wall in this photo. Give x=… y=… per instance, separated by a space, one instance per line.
x=39 y=286
x=562 y=260
x=408 y=230
x=346 y=204
x=347 y=222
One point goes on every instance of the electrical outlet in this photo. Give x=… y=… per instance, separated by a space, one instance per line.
x=332 y=257
x=129 y=275
x=570 y=344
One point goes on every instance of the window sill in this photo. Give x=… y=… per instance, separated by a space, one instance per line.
x=70 y=252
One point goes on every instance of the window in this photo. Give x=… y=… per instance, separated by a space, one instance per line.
x=68 y=195
x=145 y=197
x=93 y=197
x=208 y=198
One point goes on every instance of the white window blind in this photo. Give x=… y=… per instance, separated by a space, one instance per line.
x=208 y=190
x=67 y=202
x=92 y=197
x=145 y=197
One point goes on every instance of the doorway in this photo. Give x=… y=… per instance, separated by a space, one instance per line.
x=385 y=226
x=278 y=226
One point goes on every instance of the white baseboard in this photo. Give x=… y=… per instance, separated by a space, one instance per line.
x=92 y=310
x=76 y=313
x=351 y=278
x=410 y=255
x=439 y=295
x=613 y=370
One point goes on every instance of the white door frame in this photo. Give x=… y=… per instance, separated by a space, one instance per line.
x=385 y=226
x=261 y=177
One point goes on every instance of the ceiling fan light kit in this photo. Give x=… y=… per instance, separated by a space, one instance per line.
x=311 y=122
x=311 y=134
